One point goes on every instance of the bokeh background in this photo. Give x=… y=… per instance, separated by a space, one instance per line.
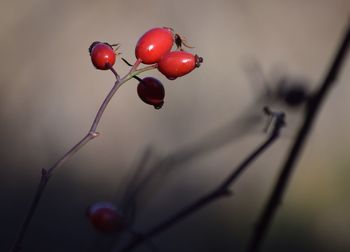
x=50 y=93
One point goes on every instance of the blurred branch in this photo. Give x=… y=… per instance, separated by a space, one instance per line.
x=217 y=193
x=315 y=103
x=211 y=141
x=128 y=198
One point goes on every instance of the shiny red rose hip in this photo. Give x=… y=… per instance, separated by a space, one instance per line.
x=152 y=45
x=102 y=55
x=178 y=63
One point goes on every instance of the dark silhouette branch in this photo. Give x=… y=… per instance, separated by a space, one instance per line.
x=314 y=105
x=222 y=190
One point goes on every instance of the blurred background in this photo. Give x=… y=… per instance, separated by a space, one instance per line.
x=50 y=93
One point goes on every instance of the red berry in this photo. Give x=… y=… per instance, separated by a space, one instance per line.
x=102 y=55
x=178 y=63
x=105 y=217
x=151 y=91
x=154 y=44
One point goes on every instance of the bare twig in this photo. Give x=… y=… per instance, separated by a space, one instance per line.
x=217 y=193
x=265 y=219
x=46 y=173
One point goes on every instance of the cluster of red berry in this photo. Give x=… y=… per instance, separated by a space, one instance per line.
x=154 y=47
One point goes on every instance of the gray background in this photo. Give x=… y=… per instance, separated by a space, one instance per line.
x=50 y=93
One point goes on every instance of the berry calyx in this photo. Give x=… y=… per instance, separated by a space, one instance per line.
x=180 y=41
x=178 y=63
x=152 y=45
x=151 y=91
x=105 y=217
x=102 y=55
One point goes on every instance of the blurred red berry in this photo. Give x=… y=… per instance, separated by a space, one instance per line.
x=102 y=55
x=105 y=217
x=154 y=44
x=151 y=91
x=178 y=63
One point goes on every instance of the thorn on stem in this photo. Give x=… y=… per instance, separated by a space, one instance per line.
x=94 y=134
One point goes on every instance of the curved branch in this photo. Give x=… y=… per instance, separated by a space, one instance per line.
x=46 y=173
x=265 y=219
x=221 y=190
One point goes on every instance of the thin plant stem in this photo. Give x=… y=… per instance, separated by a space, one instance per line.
x=47 y=173
x=223 y=189
x=275 y=199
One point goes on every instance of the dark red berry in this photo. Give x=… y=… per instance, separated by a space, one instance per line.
x=105 y=217
x=178 y=63
x=102 y=55
x=151 y=91
x=154 y=44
